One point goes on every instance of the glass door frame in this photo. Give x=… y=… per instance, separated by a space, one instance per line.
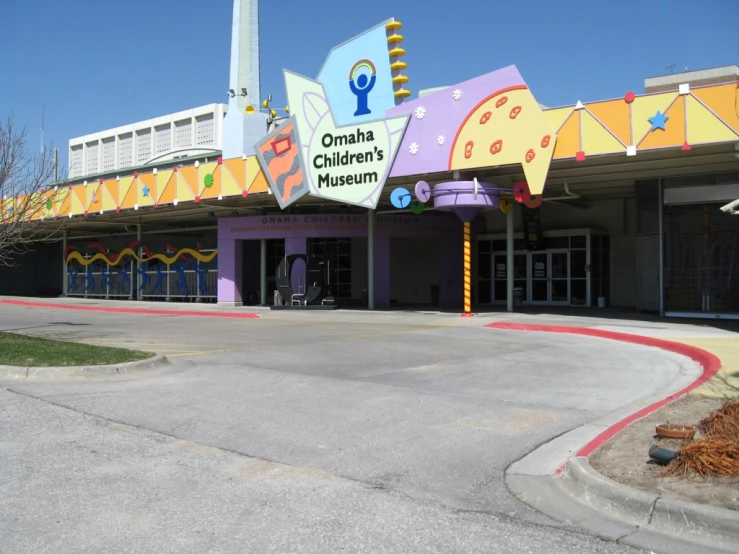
x=517 y=281
x=550 y=281
x=548 y=278
x=589 y=233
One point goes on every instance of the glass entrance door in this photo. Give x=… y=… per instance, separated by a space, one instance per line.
x=550 y=277
x=500 y=276
x=559 y=277
x=539 y=277
x=336 y=252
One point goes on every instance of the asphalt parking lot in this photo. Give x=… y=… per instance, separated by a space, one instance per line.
x=300 y=434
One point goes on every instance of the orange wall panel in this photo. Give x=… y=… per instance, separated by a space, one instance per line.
x=674 y=133
x=723 y=101
x=568 y=138
x=615 y=116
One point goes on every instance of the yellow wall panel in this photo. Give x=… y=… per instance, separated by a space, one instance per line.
x=252 y=169
x=259 y=184
x=94 y=197
x=147 y=184
x=109 y=195
x=674 y=133
x=214 y=190
x=91 y=193
x=48 y=206
x=229 y=186
x=615 y=116
x=208 y=169
x=645 y=107
x=557 y=116
x=723 y=100
x=595 y=138
x=127 y=192
x=77 y=206
x=703 y=126
x=236 y=167
x=168 y=192
x=568 y=137
x=190 y=176
x=163 y=178
x=184 y=192
x=65 y=198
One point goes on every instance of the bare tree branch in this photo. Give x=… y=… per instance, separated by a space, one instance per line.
x=28 y=199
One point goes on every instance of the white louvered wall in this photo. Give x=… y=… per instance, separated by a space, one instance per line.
x=183 y=134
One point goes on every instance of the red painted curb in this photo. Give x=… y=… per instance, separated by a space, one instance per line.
x=140 y=311
x=709 y=362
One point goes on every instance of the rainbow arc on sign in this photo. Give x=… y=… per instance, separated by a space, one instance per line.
x=360 y=65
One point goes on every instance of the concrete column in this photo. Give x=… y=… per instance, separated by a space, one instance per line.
x=509 y=259
x=371 y=260
x=450 y=271
x=65 y=274
x=381 y=271
x=230 y=267
x=263 y=272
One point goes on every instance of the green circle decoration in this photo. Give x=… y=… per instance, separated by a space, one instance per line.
x=208 y=180
x=49 y=204
x=417 y=207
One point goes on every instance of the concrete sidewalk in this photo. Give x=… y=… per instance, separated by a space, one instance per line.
x=578 y=494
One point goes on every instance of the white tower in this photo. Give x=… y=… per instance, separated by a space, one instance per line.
x=241 y=130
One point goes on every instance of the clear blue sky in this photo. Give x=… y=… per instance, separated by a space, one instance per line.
x=97 y=64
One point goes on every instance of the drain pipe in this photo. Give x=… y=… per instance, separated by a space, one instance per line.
x=569 y=195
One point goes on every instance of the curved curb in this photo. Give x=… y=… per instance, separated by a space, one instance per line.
x=580 y=495
x=677 y=518
x=138 y=311
x=87 y=371
x=708 y=362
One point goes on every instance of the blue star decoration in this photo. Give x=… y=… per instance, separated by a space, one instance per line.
x=658 y=121
x=145 y=190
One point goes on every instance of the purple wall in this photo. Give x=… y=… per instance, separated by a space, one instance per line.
x=443 y=117
x=445 y=230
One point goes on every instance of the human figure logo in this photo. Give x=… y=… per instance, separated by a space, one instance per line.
x=362 y=79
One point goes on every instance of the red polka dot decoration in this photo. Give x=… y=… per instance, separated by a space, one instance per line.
x=534 y=201
x=521 y=192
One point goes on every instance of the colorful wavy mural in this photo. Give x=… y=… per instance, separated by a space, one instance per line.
x=184 y=272
x=186 y=254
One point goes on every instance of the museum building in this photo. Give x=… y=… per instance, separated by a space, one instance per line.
x=466 y=197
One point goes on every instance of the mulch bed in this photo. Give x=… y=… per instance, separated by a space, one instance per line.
x=716 y=455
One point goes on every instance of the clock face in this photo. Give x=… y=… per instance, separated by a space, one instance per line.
x=507 y=128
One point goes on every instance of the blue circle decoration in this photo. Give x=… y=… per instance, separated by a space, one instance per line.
x=400 y=198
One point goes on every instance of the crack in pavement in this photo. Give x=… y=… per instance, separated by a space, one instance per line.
x=137 y=430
